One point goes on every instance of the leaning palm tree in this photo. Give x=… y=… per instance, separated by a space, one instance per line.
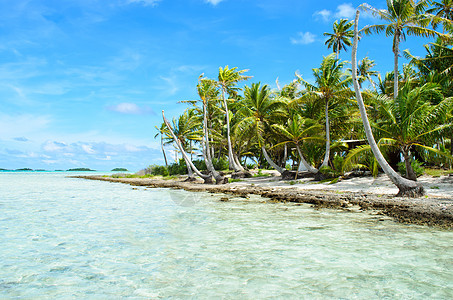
x=161 y=131
x=341 y=36
x=403 y=17
x=331 y=84
x=227 y=80
x=259 y=110
x=405 y=186
x=190 y=166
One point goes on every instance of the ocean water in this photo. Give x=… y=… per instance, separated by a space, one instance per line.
x=65 y=238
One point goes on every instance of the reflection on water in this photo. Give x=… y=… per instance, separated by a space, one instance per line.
x=63 y=237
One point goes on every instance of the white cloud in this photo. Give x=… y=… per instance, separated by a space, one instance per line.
x=130 y=109
x=323 y=15
x=143 y=2
x=213 y=2
x=303 y=38
x=345 y=11
x=88 y=149
x=53 y=146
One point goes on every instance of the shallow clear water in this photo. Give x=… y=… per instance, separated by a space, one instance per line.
x=72 y=238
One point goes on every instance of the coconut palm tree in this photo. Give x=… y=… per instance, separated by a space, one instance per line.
x=227 y=81
x=409 y=121
x=161 y=132
x=403 y=17
x=444 y=11
x=258 y=110
x=406 y=187
x=331 y=84
x=190 y=166
x=341 y=36
x=297 y=131
x=365 y=72
x=208 y=92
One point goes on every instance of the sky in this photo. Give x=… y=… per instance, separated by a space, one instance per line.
x=83 y=82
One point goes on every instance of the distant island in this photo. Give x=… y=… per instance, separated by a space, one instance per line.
x=80 y=169
x=120 y=170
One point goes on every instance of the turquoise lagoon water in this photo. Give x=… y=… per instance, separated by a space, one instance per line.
x=79 y=239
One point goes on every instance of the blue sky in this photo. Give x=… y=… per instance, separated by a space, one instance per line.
x=83 y=82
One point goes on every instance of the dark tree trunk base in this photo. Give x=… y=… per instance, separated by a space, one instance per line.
x=320 y=176
x=411 y=192
x=241 y=174
x=190 y=179
x=208 y=180
x=221 y=180
x=293 y=175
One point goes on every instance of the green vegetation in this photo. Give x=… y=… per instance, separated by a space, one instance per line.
x=80 y=170
x=231 y=180
x=120 y=170
x=320 y=123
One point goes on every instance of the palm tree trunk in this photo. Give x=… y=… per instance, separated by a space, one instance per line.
x=206 y=150
x=406 y=187
x=231 y=161
x=271 y=162
x=309 y=168
x=206 y=178
x=410 y=174
x=163 y=149
x=338 y=50
x=327 y=154
x=396 y=45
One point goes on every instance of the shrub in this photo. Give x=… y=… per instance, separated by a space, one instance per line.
x=251 y=166
x=416 y=165
x=156 y=170
x=220 y=164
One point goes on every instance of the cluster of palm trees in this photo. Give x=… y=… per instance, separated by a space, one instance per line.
x=401 y=116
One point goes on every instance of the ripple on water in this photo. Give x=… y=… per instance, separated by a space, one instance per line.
x=71 y=238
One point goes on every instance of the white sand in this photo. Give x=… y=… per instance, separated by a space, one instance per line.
x=434 y=186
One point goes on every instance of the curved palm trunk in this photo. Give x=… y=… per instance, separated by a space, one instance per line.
x=206 y=150
x=327 y=154
x=190 y=165
x=271 y=162
x=406 y=187
x=163 y=149
x=231 y=162
x=307 y=166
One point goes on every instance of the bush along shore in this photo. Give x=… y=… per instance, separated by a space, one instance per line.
x=359 y=193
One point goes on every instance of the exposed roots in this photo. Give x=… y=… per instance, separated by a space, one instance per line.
x=411 y=192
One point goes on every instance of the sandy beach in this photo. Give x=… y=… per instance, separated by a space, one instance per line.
x=359 y=193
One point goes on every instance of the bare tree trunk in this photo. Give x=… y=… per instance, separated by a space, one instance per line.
x=206 y=178
x=219 y=178
x=231 y=161
x=307 y=166
x=271 y=162
x=327 y=154
x=396 y=46
x=163 y=150
x=410 y=174
x=406 y=187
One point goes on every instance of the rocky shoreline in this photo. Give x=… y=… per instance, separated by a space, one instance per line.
x=429 y=210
